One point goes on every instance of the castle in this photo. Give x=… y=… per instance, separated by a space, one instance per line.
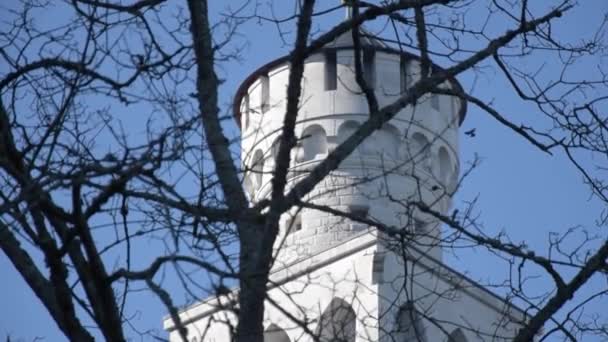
x=344 y=280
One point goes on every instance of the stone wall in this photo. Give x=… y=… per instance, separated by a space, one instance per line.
x=413 y=154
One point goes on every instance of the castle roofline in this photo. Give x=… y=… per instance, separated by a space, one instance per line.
x=365 y=240
x=342 y=42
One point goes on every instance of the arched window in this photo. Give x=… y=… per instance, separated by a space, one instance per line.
x=445 y=166
x=258 y=167
x=420 y=226
x=248 y=186
x=409 y=327
x=454 y=109
x=275 y=334
x=338 y=323
x=274 y=149
x=387 y=140
x=457 y=336
x=346 y=130
x=420 y=149
x=453 y=181
x=314 y=142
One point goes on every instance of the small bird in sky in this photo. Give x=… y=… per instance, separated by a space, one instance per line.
x=435 y=188
x=470 y=133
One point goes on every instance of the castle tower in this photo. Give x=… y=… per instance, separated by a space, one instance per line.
x=342 y=278
x=414 y=157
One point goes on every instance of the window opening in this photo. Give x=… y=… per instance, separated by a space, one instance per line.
x=435 y=102
x=247 y=112
x=295 y=224
x=331 y=70
x=369 y=67
x=258 y=167
x=265 y=93
x=359 y=211
x=404 y=77
x=338 y=323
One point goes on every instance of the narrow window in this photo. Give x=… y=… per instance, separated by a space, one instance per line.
x=248 y=186
x=377 y=267
x=265 y=93
x=445 y=165
x=454 y=102
x=274 y=149
x=453 y=106
x=435 y=102
x=369 y=68
x=246 y=110
x=331 y=70
x=295 y=224
x=419 y=226
x=258 y=168
x=359 y=211
x=404 y=79
x=421 y=150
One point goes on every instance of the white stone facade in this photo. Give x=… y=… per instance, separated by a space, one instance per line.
x=327 y=262
x=350 y=274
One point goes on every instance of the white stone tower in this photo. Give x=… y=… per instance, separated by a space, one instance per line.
x=415 y=156
x=341 y=277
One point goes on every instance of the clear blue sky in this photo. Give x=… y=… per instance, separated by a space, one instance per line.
x=521 y=190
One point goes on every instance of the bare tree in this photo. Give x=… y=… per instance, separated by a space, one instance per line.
x=113 y=136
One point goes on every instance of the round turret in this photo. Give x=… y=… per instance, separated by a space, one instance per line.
x=414 y=157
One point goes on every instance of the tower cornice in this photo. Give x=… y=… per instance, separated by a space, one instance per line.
x=264 y=69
